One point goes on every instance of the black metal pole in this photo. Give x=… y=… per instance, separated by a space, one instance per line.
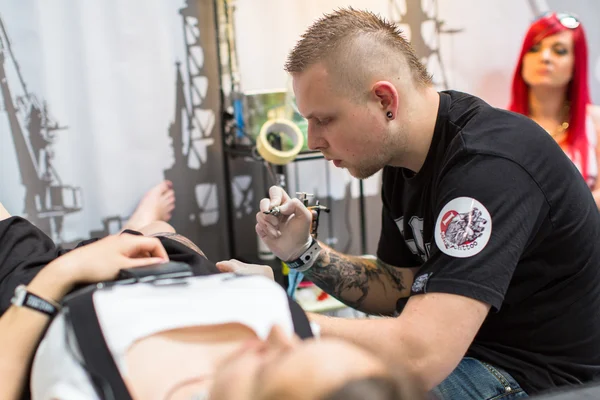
x=363 y=225
x=331 y=233
x=226 y=167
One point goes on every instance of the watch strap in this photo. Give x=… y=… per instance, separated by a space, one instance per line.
x=35 y=302
x=307 y=259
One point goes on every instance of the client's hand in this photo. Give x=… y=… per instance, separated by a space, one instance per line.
x=241 y=268
x=103 y=259
x=99 y=261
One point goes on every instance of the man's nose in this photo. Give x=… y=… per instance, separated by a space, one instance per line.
x=314 y=140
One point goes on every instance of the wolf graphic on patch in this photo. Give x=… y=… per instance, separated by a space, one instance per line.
x=463 y=227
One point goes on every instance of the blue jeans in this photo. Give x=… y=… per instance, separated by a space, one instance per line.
x=477 y=380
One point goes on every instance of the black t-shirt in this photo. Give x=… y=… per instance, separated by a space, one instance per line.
x=499 y=214
x=25 y=250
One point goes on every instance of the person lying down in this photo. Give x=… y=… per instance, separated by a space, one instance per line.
x=209 y=336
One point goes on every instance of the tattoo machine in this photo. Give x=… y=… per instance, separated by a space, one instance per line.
x=317 y=208
x=304 y=198
x=273 y=211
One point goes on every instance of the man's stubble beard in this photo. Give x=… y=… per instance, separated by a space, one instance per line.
x=392 y=145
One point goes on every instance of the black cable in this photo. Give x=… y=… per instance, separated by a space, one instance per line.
x=244 y=133
x=233 y=127
x=330 y=197
x=347 y=203
x=362 y=217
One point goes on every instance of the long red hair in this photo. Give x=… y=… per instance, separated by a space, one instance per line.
x=578 y=92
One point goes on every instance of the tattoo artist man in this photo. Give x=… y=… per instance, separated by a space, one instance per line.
x=489 y=240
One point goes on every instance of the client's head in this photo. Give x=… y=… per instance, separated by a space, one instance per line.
x=180 y=239
x=291 y=369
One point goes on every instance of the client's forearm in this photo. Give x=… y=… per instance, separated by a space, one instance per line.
x=366 y=284
x=21 y=329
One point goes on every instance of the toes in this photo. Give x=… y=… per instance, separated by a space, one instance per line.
x=168 y=192
x=169 y=198
x=163 y=187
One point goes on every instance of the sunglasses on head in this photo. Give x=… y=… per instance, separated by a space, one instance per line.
x=569 y=21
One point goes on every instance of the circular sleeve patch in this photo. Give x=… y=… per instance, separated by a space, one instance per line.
x=463 y=227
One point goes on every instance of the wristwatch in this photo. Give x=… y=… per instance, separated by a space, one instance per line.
x=307 y=259
x=24 y=298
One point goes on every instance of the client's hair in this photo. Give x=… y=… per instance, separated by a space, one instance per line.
x=391 y=387
x=181 y=239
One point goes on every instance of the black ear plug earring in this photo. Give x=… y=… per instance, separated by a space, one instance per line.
x=390 y=115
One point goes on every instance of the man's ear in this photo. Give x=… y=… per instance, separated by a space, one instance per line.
x=387 y=96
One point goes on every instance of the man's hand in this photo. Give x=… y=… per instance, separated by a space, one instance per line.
x=241 y=268
x=286 y=235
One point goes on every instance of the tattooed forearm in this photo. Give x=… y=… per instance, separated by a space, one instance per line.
x=365 y=284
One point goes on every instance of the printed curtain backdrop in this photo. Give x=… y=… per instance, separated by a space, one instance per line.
x=102 y=99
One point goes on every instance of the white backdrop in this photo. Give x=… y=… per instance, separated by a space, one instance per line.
x=479 y=60
x=106 y=70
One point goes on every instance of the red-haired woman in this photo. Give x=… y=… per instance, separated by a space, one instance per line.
x=550 y=86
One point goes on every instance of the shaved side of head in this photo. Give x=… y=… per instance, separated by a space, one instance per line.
x=358 y=48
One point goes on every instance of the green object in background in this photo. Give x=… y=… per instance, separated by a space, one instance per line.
x=262 y=106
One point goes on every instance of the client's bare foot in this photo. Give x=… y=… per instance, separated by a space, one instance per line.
x=157 y=205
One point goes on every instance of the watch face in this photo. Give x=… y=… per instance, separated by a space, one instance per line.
x=19 y=297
